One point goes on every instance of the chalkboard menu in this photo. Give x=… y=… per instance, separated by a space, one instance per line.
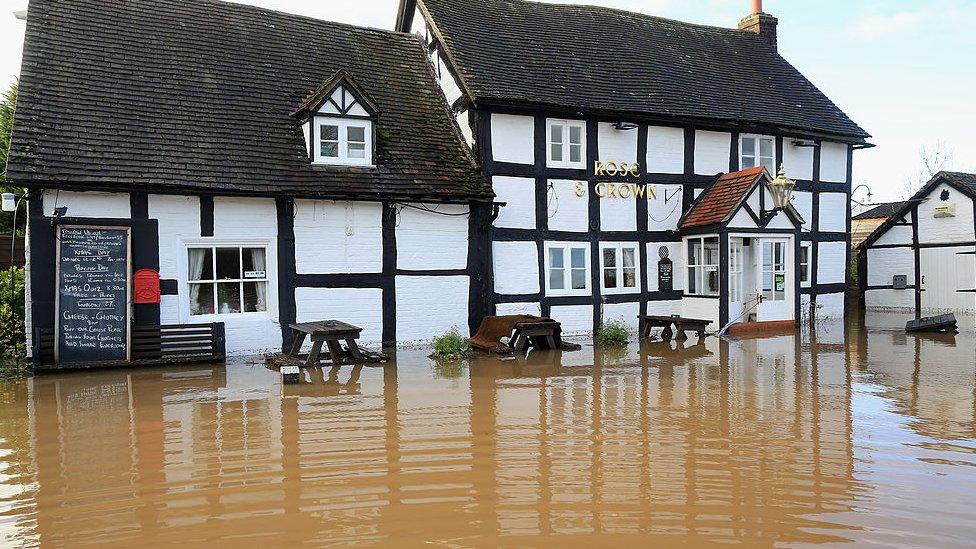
x=93 y=294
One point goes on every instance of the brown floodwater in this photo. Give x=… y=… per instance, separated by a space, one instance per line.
x=851 y=435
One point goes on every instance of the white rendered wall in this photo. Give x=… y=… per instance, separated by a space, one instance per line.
x=512 y=138
x=618 y=214
x=178 y=218
x=833 y=162
x=945 y=229
x=503 y=309
x=464 y=123
x=616 y=145
x=431 y=241
x=361 y=307
x=245 y=217
x=803 y=203
x=705 y=309
x=338 y=237
x=712 y=151
x=885 y=263
x=797 y=160
x=944 y=272
x=518 y=193
x=897 y=234
x=664 y=209
x=575 y=319
x=88 y=204
x=625 y=313
x=653 y=255
x=566 y=211
x=833 y=212
x=830 y=306
x=832 y=263
x=516 y=267
x=428 y=306
x=889 y=299
x=449 y=86
x=665 y=150
x=664 y=308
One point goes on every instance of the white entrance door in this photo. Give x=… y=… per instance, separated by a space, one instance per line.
x=944 y=271
x=775 y=284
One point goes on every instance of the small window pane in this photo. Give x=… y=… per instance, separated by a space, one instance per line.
x=556 y=281
x=748 y=162
x=579 y=279
x=578 y=258
x=692 y=280
x=556 y=258
x=556 y=134
x=609 y=278
x=556 y=152
x=629 y=257
x=329 y=133
x=575 y=153
x=200 y=264
x=576 y=135
x=357 y=150
x=356 y=133
x=255 y=297
x=201 y=299
x=630 y=277
x=228 y=263
x=610 y=257
x=228 y=298
x=330 y=150
x=748 y=146
x=766 y=147
x=254 y=263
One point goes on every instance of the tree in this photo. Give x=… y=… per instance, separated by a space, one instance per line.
x=7 y=105
x=932 y=160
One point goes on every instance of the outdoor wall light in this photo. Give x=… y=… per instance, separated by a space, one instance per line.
x=782 y=189
x=624 y=126
x=9 y=202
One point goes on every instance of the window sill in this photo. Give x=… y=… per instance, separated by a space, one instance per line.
x=343 y=165
x=225 y=317
x=568 y=293
x=620 y=291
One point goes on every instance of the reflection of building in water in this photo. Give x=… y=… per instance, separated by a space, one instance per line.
x=930 y=377
x=744 y=441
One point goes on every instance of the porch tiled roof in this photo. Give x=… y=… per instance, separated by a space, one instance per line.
x=722 y=198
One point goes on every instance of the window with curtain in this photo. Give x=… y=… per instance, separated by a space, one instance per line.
x=703 y=260
x=619 y=263
x=227 y=280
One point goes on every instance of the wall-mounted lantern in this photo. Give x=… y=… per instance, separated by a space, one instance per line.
x=782 y=189
x=625 y=126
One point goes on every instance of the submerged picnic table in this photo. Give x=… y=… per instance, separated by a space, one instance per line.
x=331 y=333
x=680 y=323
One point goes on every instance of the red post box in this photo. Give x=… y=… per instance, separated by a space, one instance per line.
x=146 y=285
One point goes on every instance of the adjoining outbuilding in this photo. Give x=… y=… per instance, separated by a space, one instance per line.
x=922 y=258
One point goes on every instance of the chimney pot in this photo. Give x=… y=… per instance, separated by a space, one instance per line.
x=756 y=6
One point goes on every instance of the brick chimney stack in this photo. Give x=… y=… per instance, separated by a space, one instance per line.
x=760 y=23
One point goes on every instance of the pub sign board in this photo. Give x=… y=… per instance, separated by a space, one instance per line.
x=93 y=274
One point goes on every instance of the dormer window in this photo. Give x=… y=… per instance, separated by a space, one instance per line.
x=339 y=123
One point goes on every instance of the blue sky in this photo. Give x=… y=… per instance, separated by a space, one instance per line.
x=905 y=71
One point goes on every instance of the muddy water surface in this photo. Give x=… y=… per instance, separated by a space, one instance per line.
x=849 y=436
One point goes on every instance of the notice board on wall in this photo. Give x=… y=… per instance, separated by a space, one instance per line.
x=93 y=294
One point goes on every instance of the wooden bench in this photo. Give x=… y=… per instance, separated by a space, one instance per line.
x=329 y=333
x=681 y=326
x=541 y=334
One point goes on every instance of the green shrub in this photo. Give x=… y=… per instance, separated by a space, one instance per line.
x=12 y=345
x=612 y=333
x=18 y=289
x=451 y=345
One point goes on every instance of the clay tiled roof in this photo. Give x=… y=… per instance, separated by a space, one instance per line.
x=721 y=199
x=602 y=60
x=197 y=96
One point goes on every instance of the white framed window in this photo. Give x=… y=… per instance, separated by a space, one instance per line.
x=804 y=261
x=774 y=271
x=735 y=270
x=567 y=268
x=618 y=265
x=343 y=141
x=227 y=280
x=757 y=150
x=566 y=143
x=703 y=260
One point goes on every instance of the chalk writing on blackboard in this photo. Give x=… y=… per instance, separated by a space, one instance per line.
x=93 y=294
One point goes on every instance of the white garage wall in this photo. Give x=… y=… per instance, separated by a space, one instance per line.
x=566 y=211
x=958 y=228
x=519 y=195
x=833 y=212
x=833 y=162
x=88 y=204
x=428 y=306
x=361 y=307
x=712 y=151
x=516 y=267
x=884 y=263
x=832 y=263
x=431 y=241
x=512 y=138
x=616 y=145
x=338 y=237
x=665 y=150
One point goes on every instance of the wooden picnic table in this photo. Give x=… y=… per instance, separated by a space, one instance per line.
x=681 y=324
x=541 y=334
x=331 y=333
